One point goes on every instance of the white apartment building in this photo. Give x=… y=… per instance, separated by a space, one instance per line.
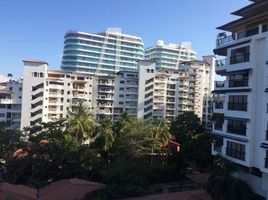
x=168 y=93
x=10 y=102
x=240 y=111
x=200 y=80
x=170 y=56
x=107 y=52
x=49 y=94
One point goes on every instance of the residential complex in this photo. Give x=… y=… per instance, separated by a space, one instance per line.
x=147 y=93
x=105 y=53
x=170 y=56
x=10 y=102
x=241 y=108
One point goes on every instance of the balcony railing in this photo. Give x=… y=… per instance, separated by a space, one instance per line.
x=222 y=41
x=238 y=83
x=220 y=63
x=235 y=153
x=219 y=105
x=239 y=59
x=237 y=106
x=219 y=84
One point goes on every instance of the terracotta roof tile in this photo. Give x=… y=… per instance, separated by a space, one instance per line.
x=20 y=192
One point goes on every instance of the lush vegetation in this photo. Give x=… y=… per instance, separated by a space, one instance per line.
x=128 y=155
x=223 y=186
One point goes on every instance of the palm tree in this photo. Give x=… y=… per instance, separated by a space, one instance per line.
x=9 y=75
x=81 y=123
x=160 y=131
x=106 y=134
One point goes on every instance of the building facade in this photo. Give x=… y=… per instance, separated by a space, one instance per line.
x=168 y=93
x=49 y=95
x=241 y=101
x=170 y=56
x=10 y=102
x=105 y=53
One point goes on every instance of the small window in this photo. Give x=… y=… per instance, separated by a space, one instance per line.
x=68 y=92
x=121 y=88
x=121 y=102
x=11 y=88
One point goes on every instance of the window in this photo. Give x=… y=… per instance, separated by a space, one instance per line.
x=237 y=102
x=11 y=88
x=238 y=80
x=235 y=150
x=237 y=127
x=121 y=95
x=2 y=114
x=264 y=28
x=239 y=55
x=20 y=89
x=121 y=102
x=121 y=88
x=122 y=81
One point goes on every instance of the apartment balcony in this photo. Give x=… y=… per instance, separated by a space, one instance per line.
x=105 y=97
x=238 y=83
x=104 y=112
x=79 y=96
x=237 y=106
x=56 y=94
x=105 y=90
x=234 y=63
x=223 y=41
x=55 y=102
x=105 y=105
x=5 y=101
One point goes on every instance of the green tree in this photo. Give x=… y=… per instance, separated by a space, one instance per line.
x=106 y=135
x=50 y=153
x=186 y=127
x=81 y=123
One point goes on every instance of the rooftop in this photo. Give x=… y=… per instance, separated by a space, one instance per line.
x=35 y=61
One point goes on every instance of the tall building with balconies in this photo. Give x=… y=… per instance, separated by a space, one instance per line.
x=10 y=103
x=101 y=53
x=241 y=101
x=168 y=92
x=170 y=56
x=50 y=94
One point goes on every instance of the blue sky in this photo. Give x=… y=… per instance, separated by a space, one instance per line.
x=34 y=29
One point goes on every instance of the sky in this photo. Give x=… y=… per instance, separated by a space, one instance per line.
x=34 y=29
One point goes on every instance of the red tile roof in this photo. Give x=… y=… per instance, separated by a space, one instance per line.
x=68 y=189
x=20 y=192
